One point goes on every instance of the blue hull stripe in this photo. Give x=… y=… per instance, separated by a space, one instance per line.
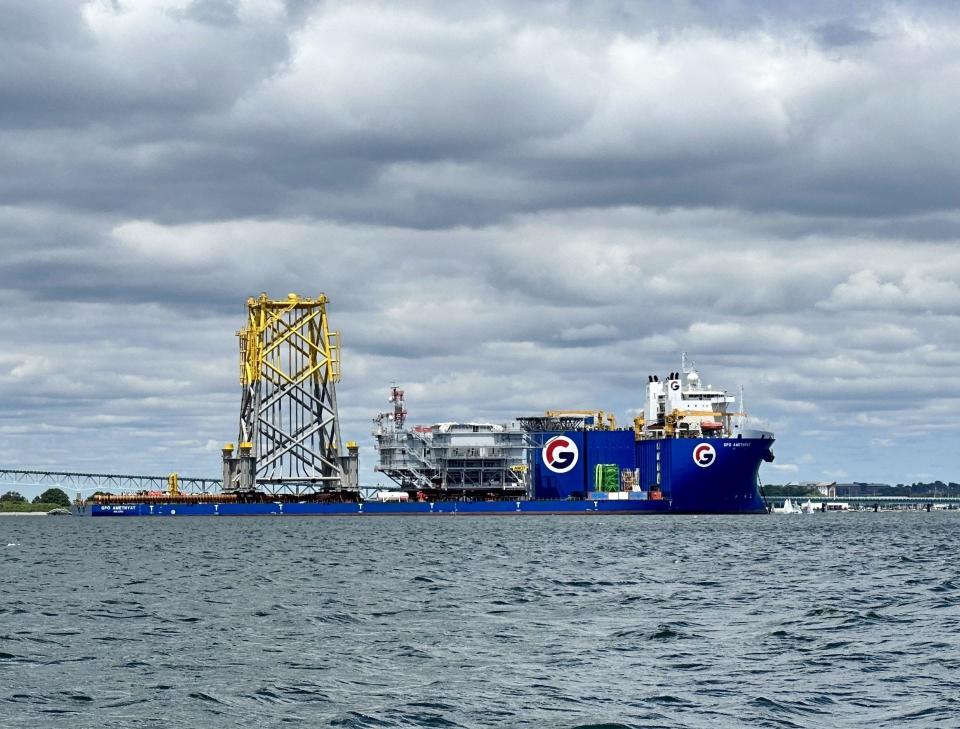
x=375 y=508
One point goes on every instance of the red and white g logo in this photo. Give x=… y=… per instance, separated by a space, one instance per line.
x=704 y=455
x=560 y=454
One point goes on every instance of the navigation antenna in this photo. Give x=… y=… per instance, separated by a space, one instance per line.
x=740 y=412
x=399 y=407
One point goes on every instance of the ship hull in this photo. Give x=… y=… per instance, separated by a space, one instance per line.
x=729 y=484
x=376 y=508
x=694 y=476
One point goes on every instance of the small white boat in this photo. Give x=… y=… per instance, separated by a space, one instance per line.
x=787 y=508
x=808 y=507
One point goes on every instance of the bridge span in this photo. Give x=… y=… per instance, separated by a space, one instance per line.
x=81 y=481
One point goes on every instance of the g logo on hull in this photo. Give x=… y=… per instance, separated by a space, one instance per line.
x=560 y=454
x=704 y=455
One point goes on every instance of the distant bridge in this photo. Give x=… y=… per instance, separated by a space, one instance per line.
x=79 y=481
x=82 y=481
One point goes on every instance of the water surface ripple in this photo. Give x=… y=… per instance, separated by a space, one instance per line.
x=819 y=620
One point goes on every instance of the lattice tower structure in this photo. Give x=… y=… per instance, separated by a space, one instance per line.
x=399 y=407
x=290 y=364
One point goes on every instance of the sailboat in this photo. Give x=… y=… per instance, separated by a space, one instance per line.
x=787 y=508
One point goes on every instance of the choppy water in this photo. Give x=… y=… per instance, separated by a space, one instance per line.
x=819 y=620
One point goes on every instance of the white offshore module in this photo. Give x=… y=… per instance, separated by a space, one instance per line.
x=459 y=458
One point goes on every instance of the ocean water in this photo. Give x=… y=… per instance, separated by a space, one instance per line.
x=821 y=620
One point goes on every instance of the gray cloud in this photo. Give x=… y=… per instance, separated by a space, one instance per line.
x=511 y=207
x=433 y=115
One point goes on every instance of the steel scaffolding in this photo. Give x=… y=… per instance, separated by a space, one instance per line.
x=289 y=427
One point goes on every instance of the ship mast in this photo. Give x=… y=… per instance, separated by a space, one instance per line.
x=740 y=411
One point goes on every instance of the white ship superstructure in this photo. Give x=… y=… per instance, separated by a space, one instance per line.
x=681 y=406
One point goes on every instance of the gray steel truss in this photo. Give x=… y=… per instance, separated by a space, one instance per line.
x=106 y=481
x=288 y=408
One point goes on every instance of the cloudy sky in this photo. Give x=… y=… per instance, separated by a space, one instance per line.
x=513 y=206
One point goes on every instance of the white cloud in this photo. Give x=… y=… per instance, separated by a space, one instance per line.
x=785 y=467
x=915 y=290
x=511 y=207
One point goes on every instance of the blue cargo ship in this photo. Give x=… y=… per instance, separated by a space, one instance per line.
x=694 y=475
x=688 y=452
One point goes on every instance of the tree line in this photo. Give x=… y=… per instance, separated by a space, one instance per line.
x=50 y=499
x=931 y=489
